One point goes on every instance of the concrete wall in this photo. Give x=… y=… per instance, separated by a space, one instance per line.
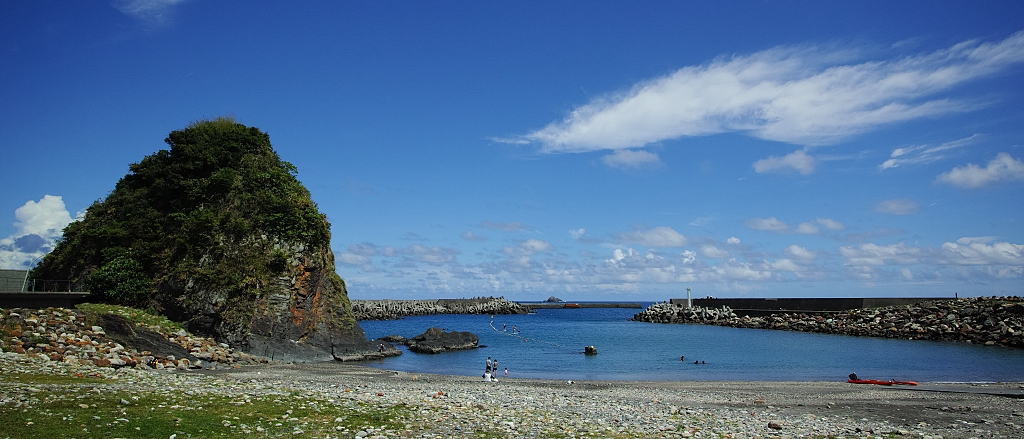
x=40 y=300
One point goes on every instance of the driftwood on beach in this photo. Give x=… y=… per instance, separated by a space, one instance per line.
x=395 y=309
x=989 y=321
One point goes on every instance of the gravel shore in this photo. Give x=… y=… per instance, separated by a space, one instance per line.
x=457 y=406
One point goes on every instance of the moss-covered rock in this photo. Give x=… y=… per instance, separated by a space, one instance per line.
x=218 y=234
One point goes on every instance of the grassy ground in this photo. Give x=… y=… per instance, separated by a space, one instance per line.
x=136 y=316
x=49 y=406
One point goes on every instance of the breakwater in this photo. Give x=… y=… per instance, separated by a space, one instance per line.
x=819 y=305
x=983 y=320
x=388 y=309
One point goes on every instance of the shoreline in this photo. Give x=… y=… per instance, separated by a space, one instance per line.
x=687 y=408
x=436 y=406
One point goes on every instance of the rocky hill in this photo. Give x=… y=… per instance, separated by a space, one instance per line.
x=218 y=234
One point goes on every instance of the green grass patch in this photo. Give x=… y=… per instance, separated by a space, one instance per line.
x=99 y=412
x=35 y=378
x=134 y=315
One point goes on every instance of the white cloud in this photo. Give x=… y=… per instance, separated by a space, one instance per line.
x=352 y=259
x=37 y=225
x=733 y=240
x=799 y=252
x=628 y=158
x=806 y=229
x=470 y=236
x=430 y=255
x=770 y=224
x=710 y=251
x=898 y=206
x=923 y=153
x=1003 y=168
x=536 y=246
x=806 y=95
x=873 y=254
x=831 y=224
x=578 y=233
x=656 y=237
x=798 y=161
x=787 y=265
x=977 y=251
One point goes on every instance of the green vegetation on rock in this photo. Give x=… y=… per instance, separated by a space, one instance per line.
x=215 y=232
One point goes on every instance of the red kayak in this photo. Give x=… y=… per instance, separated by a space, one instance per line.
x=883 y=383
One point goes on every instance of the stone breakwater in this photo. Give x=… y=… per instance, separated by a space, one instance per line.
x=982 y=320
x=396 y=309
x=67 y=336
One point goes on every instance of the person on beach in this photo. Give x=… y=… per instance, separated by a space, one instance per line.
x=489 y=364
x=506 y=372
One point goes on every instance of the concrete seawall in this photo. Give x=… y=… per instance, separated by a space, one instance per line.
x=388 y=309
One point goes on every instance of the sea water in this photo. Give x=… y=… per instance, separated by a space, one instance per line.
x=550 y=344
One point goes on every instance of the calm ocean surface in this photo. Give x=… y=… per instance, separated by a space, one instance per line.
x=550 y=345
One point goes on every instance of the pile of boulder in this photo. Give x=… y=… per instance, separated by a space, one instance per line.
x=983 y=320
x=108 y=340
x=396 y=309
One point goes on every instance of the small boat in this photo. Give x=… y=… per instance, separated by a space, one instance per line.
x=571 y=305
x=884 y=383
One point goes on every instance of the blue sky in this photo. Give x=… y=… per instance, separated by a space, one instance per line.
x=587 y=150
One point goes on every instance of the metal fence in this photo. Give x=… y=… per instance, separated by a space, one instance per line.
x=46 y=285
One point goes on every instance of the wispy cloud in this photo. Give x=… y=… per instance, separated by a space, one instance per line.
x=798 y=161
x=1003 y=168
x=150 y=11
x=801 y=95
x=898 y=206
x=628 y=158
x=470 y=236
x=772 y=224
x=513 y=226
x=923 y=153
x=656 y=237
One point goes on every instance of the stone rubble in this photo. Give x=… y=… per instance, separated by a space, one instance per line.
x=62 y=335
x=981 y=320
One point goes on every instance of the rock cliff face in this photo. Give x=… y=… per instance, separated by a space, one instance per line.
x=981 y=320
x=217 y=233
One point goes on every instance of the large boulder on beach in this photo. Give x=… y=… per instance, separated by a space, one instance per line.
x=217 y=233
x=434 y=341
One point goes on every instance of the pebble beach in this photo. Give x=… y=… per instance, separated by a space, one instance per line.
x=440 y=406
